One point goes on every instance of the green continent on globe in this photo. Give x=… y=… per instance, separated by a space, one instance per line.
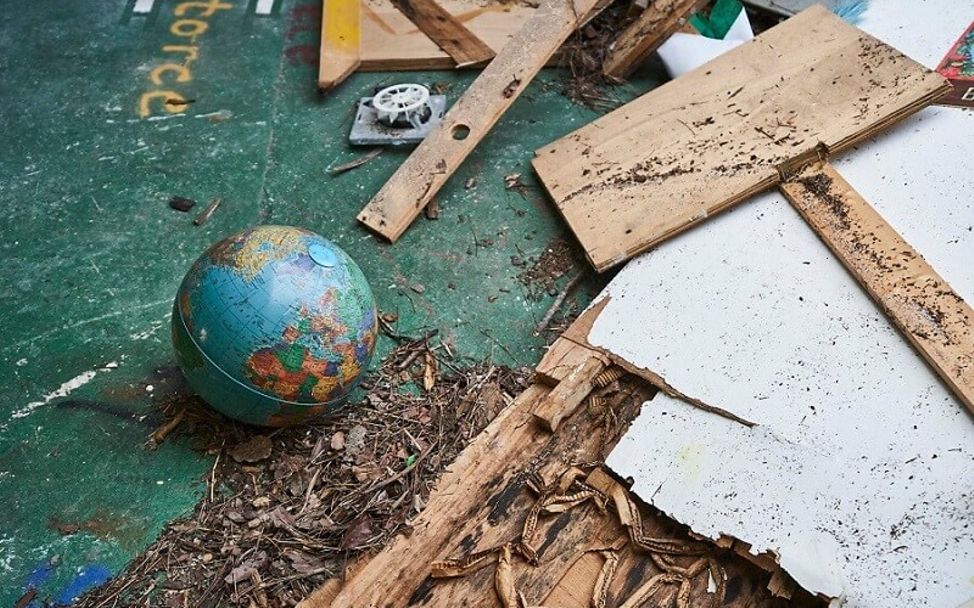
x=274 y=324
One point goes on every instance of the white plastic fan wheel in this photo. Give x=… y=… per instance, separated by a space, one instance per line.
x=400 y=101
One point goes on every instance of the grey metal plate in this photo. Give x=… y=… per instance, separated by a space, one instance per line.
x=368 y=131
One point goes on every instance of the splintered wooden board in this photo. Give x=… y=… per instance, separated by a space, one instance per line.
x=390 y=41
x=719 y=134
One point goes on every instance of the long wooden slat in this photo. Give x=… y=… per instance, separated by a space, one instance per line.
x=468 y=511
x=403 y=197
x=340 y=35
x=717 y=135
x=938 y=322
x=644 y=35
x=446 y=31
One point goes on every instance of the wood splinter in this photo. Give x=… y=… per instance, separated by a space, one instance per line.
x=565 y=398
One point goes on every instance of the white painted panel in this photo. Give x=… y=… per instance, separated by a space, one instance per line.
x=884 y=532
x=264 y=7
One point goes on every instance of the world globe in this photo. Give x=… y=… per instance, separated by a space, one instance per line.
x=274 y=325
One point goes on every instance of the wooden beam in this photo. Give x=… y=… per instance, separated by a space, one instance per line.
x=446 y=31
x=418 y=180
x=644 y=35
x=938 y=322
x=340 y=33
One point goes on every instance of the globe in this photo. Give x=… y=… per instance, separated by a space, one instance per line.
x=274 y=325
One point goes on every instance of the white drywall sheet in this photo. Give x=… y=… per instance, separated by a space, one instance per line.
x=860 y=471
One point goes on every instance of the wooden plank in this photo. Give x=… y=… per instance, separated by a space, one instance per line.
x=644 y=35
x=719 y=134
x=446 y=31
x=565 y=398
x=937 y=321
x=339 y=51
x=432 y=163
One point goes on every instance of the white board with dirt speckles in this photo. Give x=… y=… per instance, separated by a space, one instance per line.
x=859 y=469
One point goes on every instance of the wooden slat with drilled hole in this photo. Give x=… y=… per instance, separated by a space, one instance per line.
x=431 y=164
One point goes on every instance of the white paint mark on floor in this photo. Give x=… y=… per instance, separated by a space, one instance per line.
x=143 y=7
x=63 y=391
x=264 y=7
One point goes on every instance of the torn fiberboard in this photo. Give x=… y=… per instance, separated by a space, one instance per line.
x=858 y=451
x=857 y=471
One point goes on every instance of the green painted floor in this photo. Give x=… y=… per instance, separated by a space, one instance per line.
x=92 y=253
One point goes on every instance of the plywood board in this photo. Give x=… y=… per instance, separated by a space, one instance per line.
x=390 y=41
x=340 y=36
x=857 y=471
x=719 y=134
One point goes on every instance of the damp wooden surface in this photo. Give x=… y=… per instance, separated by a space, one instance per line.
x=448 y=32
x=937 y=321
x=431 y=164
x=719 y=134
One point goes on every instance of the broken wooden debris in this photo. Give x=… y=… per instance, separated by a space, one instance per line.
x=935 y=320
x=207 y=213
x=565 y=398
x=479 y=505
x=682 y=152
x=432 y=163
x=569 y=493
x=446 y=31
x=644 y=35
x=561 y=358
x=357 y=162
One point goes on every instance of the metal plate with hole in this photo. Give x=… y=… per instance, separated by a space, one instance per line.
x=368 y=130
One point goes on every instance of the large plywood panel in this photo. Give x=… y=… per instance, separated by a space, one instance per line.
x=721 y=133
